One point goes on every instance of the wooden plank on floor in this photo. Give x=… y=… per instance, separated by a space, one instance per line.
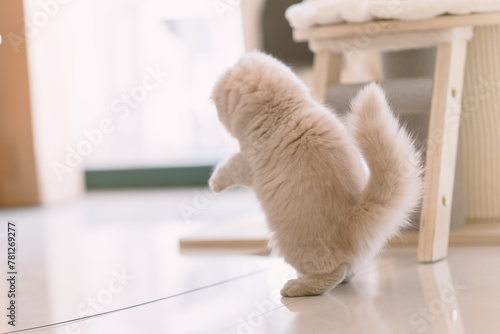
x=249 y=235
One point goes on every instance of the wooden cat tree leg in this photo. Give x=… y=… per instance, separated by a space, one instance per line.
x=441 y=151
x=326 y=67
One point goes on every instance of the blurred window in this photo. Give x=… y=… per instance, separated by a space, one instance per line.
x=149 y=66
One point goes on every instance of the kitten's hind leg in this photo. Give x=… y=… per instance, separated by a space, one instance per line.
x=311 y=285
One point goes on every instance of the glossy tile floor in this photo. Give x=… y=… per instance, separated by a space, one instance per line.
x=110 y=263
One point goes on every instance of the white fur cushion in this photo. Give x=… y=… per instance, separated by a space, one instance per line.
x=320 y=12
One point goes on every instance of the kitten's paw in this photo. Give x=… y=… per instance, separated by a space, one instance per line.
x=295 y=288
x=216 y=185
x=289 y=289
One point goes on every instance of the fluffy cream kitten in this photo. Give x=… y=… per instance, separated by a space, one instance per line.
x=326 y=216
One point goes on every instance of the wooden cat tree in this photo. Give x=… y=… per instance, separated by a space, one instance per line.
x=443 y=135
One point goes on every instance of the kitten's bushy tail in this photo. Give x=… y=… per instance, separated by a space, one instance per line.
x=394 y=187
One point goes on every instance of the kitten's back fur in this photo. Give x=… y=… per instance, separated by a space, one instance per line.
x=326 y=216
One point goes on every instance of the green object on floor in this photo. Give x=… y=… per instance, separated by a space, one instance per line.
x=148 y=177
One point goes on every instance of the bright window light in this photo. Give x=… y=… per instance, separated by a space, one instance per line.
x=150 y=66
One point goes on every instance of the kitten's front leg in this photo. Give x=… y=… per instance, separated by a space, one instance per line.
x=235 y=171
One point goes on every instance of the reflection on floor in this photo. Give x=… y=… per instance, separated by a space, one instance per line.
x=110 y=263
